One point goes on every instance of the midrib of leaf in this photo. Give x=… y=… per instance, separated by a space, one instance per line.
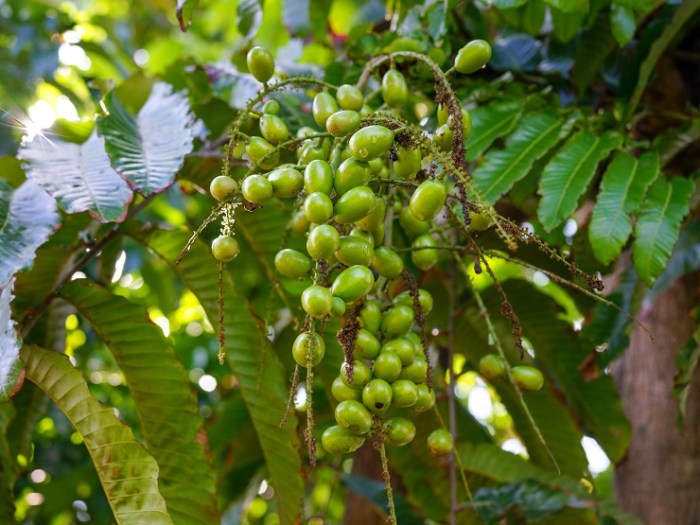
x=520 y=157
x=143 y=151
x=620 y=210
x=86 y=182
x=650 y=252
x=495 y=130
x=573 y=176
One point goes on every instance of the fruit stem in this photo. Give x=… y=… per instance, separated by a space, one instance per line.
x=450 y=391
x=391 y=520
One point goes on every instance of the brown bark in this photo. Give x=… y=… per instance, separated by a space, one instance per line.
x=359 y=511
x=659 y=480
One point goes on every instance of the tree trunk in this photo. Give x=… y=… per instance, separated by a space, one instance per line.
x=659 y=480
x=359 y=511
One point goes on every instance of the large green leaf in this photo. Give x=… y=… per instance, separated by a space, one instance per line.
x=9 y=344
x=78 y=176
x=570 y=6
x=593 y=48
x=658 y=223
x=260 y=374
x=27 y=218
x=623 y=24
x=569 y=172
x=491 y=122
x=129 y=475
x=536 y=134
x=167 y=408
x=149 y=149
x=621 y=192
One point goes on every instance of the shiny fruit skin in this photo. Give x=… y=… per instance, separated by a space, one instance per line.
x=353 y=416
x=286 y=182
x=398 y=320
x=443 y=138
x=371 y=316
x=424 y=298
x=417 y=371
x=273 y=129
x=225 y=249
x=292 y=263
x=324 y=105
x=440 y=442
x=361 y=375
x=308 y=344
x=222 y=187
x=491 y=367
x=311 y=152
x=376 y=395
x=261 y=64
x=299 y=223
x=473 y=56
x=350 y=174
x=318 y=177
x=354 y=250
x=404 y=393
x=323 y=241
x=466 y=124
x=387 y=262
x=353 y=283
x=442 y=114
x=527 y=378
x=428 y=199
x=411 y=225
x=342 y=123
x=342 y=392
x=349 y=97
x=318 y=207
x=271 y=107
x=371 y=142
x=402 y=347
x=258 y=149
x=387 y=366
x=354 y=204
x=408 y=163
x=337 y=307
x=479 y=221
x=424 y=258
x=399 y=431
x=374 y=219
x=394 y=89
x=366 y=345
x=317 y=301
x=426 y=399
x=337 y=440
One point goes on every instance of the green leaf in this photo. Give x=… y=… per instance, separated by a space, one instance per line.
x=621 y=192
x=682 y=15
x=536 y=134
x=78 y=176
x=568 y=174
x=491 y=122
x=623 y=24
x=672 y=142
x=593 y=48
x=249 y=17
x=7 y=461
x=9 y=344
x=437 y=21
x=636 y=5
x=171 y=423
x=570 y=6
x=259 y=372
x=686 y=363
x=27 y=218
x=533 y=16
x=184 y=11
x=566 y=24
x=508 y=4
x=138 y=148
x=658 y=223
x=129 y=475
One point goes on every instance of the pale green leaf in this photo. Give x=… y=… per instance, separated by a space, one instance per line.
x=9 y=344
x=533 y=16
x=623 y=24
x=570 y=6
x=621 y=192
x=171 y=423
x=508 y=4
x=636 y=5
x=491 y=122
x=569 y=173
x=129 y=475
x=566 y=24
x=658 y=223
x=536 y=134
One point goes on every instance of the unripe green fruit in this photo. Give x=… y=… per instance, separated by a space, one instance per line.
x=411 y=225
x=376 y=165
x=317 y=301
x=527 y=378
x=417 y=371
x=354 y=250
x=398 y=320
x=387 y=262
x=366 y=110
x=318 y=207
x=374 y=219
x=426 y=399
x=308 y=347
x=324 y=105
x=479 y=221
x=366 y=345
x=371 y=316
x=337 y=440
x=376 y=395
x=443 y=138
x=273 y=128
x=292 y=263
x=261 y=64
x=353 y=416
x=402 y=347
x=299 y=222
x=417 y=343
x=350 y=174
x=473 y=56
x=407 y=163
x=371 y=142
x=424 y=298
x=405 y=393
x=440 y=442
x=354 y=205
x=323 y=242
x=271 y=107
x=311 y=152
x=258 y=149
x=394 y=89
x=353 y=283
x=428 y=199
x=491 y=367
x=225 y=249
x=337 y=307
x=466 y=124
x=424 y=258
x=318 y=177
x=367 y=236
x=342 y=123
x=387 y=366
x=399 y=431
x=349 y=97
x=342 y=392
x=361 y=375
x=286 y=182
x=222 y=187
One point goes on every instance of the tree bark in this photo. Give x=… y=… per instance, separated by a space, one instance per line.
x=659 y=479
x=359 y=511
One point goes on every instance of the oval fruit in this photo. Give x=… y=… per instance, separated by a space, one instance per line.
x=324 y=105
x=424 y=298
x=440 y=442
x=428 y=199
x=404 y=393
x=361 y=375
x=225 y=249
x=376 y=395
x=374 y=219
x=261 y=64
x=353 y=416
x=273 y=128
x=479 y=221
x=443 y=137
x=387 y=262
x=410 y=224
x=417 y=371
x=371 y=316
x=353 y=283
x=323 y=241
x=354 y=250
x=337 y=440
x=527 y=378
x=387 y=366
x=473 y=56
x=292 y=263
x=354 y=204
x=318 y=207
x=402 y=347
x=426 y=399
x=308 y=346
x=371 y=142
x=316 y=301
x=350 y=174
x=491 y=366
x=262 y=153
x=399 y=431
x=398 y=320
x=394 y=89
x=424 y=258
x=342 y=123
x=342 y=392
x=337 y=307
x=366 y=345
x=407 y=163
x=222 y=187
x=318 y=177
x=271 y=107
x=286 y=182
x=349 y=97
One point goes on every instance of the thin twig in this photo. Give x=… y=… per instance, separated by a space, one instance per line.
x=451 y=393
